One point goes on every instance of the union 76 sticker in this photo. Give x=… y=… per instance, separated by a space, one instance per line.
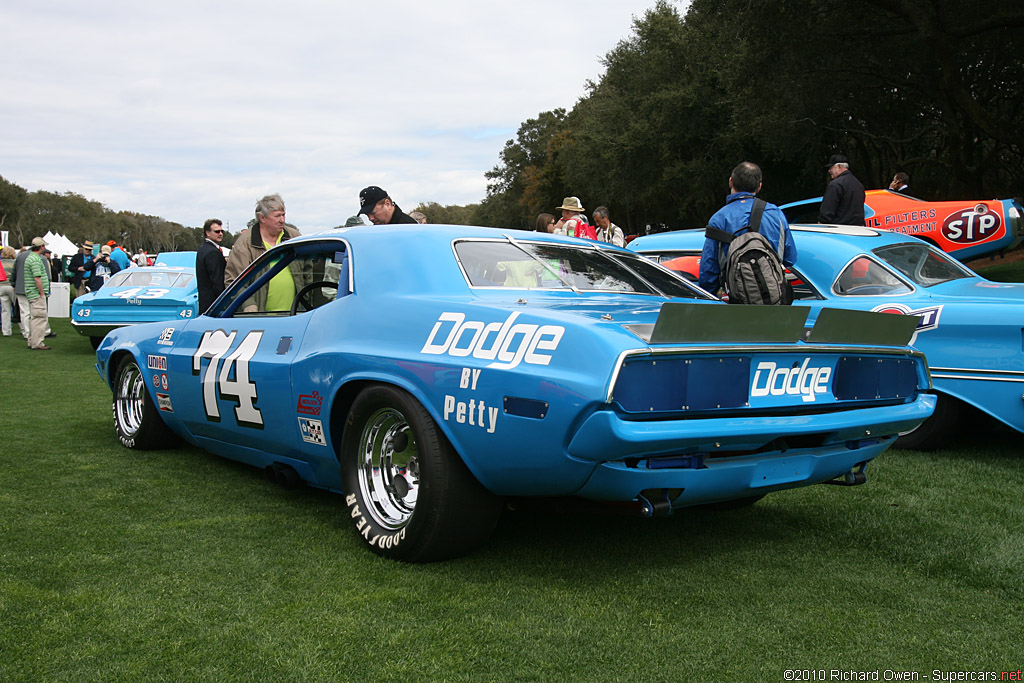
x=929 y=317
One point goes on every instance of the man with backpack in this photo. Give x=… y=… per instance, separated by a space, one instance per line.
x=753 y=272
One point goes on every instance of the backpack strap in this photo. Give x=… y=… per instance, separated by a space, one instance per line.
x=718 y=235
x=755 y=223
x=782 y=240
x=756 y=212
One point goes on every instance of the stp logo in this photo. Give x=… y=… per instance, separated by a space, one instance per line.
x=971 y=225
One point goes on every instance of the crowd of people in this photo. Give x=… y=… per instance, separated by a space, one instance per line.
x=25 y=277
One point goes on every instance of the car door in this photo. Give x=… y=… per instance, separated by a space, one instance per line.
x=229 y=373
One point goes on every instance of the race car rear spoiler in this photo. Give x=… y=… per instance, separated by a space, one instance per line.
x=737 y=323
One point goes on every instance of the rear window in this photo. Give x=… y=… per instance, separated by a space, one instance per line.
x=532 y=265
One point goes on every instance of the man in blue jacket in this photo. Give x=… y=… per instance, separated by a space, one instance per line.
x=744 y=184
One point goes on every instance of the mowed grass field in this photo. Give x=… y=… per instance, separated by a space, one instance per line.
x=178 y=565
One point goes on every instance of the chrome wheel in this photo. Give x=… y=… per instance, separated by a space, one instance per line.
x=389 y=477
x=129 y=399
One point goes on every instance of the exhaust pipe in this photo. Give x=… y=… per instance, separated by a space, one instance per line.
x=283 y=475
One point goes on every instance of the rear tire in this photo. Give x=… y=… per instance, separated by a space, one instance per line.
x=135 y=417
x=937 y=430
x=409 y=494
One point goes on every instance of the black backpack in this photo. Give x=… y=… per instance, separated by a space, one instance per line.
x=753 y=272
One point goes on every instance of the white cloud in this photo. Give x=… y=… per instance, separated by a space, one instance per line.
x=196 y=109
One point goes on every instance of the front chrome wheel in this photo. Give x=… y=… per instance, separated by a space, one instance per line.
x=136 y=419
x=129 y=400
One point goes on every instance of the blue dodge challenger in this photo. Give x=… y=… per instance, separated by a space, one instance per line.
x=426 y=373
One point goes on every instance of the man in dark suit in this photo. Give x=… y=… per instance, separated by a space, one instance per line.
x=900 y=183
x=210 y=263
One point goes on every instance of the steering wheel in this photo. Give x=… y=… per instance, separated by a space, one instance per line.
x=300 y=296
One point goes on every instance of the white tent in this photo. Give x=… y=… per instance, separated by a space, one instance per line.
x=59 y=244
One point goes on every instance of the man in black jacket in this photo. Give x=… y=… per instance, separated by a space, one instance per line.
x=210 y=264
x=843 y=203
x=380 y=208
x=79 y=273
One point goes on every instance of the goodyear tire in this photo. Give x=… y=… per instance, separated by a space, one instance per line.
x=408 y=493
x=135 y=417
x=937 y=430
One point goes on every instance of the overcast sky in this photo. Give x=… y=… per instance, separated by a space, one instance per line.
x=192 y=109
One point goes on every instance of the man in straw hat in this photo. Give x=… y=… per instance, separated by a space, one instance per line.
x=574 y=222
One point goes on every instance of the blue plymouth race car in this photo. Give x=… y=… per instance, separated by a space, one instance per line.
x=426 y=374
x=164 y=291
x=967 y=325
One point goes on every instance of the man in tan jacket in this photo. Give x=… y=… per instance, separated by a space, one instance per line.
x=270 y=230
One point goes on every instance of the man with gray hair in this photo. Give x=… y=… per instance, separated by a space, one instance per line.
x=269 y=230
x=606 y=230
x=843 y=203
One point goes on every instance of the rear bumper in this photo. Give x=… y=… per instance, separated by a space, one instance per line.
x=732 y=478
x=95 y=329
x=844 y=440
x=604 y=436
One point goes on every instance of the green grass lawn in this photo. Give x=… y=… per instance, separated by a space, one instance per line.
x=177 y=565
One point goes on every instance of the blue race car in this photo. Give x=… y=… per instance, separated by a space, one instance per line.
x=969 y=328
x=164 y=291
x=427 y=374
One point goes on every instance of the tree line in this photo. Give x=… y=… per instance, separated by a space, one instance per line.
x=28 y=214
x=929 y=87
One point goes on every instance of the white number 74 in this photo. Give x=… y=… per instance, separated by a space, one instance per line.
x=239 y=389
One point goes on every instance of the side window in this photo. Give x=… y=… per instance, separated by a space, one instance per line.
x=803 y=213
x=802 y=289
x=865 y=277
x=288 y=281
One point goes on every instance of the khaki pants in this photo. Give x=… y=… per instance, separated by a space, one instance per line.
x=25 y=311
x=8 y=300
x=38 y=323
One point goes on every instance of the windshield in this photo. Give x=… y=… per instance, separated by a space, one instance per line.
x=138 y=277
x=922 y=264
x=532 y=265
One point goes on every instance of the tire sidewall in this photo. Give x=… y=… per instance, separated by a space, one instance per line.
x=152 y=433
x=409 y=540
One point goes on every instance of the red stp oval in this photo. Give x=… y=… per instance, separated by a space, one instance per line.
x=967 y=226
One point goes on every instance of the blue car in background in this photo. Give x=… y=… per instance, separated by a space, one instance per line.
x=969 y=328
x=166 y=290
x=425 y=375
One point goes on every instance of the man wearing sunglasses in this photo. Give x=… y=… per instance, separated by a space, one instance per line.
x=210 y=264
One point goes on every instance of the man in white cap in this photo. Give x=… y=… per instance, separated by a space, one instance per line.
x=37 y=288
x=573 y=221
